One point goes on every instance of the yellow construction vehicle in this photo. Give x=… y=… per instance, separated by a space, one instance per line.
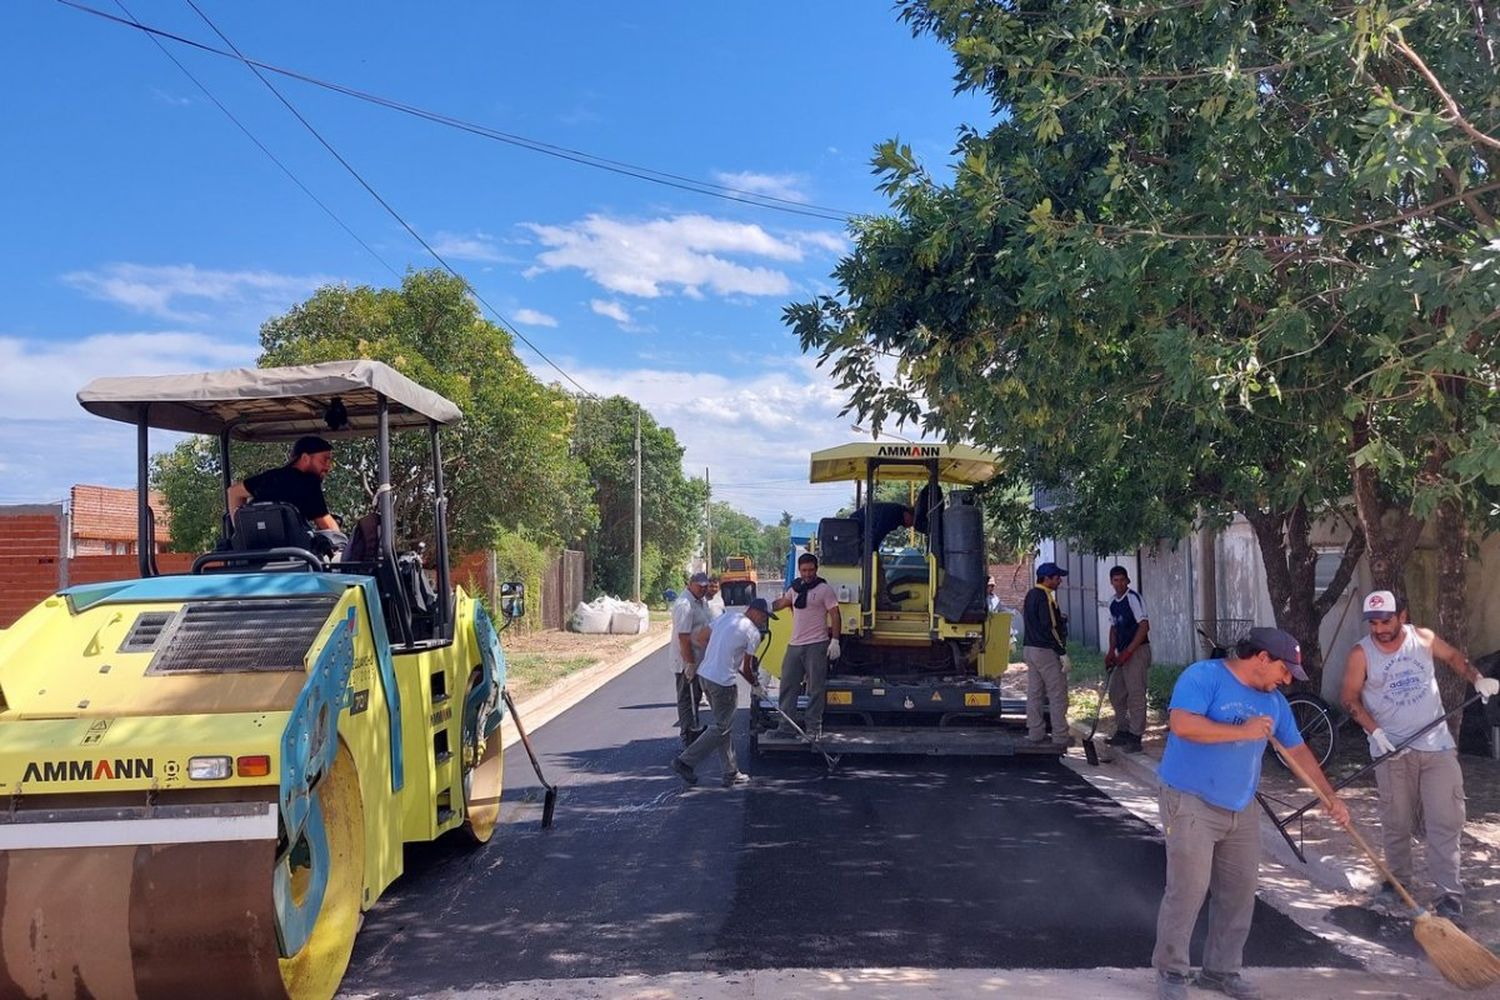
x=737 y=582
x=922 y=657
x=211 y=775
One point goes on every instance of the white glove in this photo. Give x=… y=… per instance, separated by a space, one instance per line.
x=1380 y=744
x=1067 y=663
x=1487 y=687
x=834 y=652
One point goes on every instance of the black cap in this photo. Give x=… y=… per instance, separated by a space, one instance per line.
x=309 y=444
x=762 y=605
x=1281 y=646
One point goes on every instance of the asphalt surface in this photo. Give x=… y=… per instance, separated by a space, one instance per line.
x=940 y=863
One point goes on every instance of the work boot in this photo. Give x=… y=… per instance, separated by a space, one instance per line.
x=1385 y=900
x=1132 y=745
x=684 y=771
x=1450 y=908
x=1171 y=986
x=1229 y=983
x=1121 y=738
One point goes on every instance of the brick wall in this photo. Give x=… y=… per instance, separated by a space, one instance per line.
x=1012 y=580
x=30 y=537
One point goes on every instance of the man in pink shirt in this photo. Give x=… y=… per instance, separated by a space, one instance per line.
x=814 y=642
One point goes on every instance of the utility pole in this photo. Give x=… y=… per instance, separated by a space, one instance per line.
x=637 y=503
x=708 y=526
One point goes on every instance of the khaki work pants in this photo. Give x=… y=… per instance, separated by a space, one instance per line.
x=1428 y=783
x=1209 y=851
x=1127 y=692
x=723 y=702
x=1045 y=676
x=809 y=661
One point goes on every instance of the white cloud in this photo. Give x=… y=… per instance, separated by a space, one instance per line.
x=785 y=186
x=685 y=253
x=832 y=242
x=476 y=246
x=160 y=290
x=48 y=440
x=611 y=309
x=754 y=432
x=532 y=317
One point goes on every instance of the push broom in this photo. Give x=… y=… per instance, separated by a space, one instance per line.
x=1463 y=961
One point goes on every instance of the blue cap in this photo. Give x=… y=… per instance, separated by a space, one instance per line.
x=1050 y=569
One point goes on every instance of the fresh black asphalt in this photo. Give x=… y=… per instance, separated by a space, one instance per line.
x=934 y=863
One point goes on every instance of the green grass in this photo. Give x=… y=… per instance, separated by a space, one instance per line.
x=527 y=673
x=1088 y=669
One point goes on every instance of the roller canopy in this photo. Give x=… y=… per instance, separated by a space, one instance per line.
x=269 y=404
x=957 y=463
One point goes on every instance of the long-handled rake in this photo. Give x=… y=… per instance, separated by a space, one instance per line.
x=832 y=760
x=1463 y=961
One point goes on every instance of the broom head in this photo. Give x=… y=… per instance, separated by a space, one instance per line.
x=1463 y=961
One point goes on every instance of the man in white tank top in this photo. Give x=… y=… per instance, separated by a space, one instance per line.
x=1390 y=688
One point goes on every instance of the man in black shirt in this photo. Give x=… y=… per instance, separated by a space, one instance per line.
x=1046 y=655
x=886 y=518
x=299 y=483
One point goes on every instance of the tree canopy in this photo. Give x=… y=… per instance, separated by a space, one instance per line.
x=508 y=464
x=1208 y=257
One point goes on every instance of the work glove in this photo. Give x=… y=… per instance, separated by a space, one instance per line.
x=1487 y=687
x=1380 y=744
x=834 y=652
x=1067 y=663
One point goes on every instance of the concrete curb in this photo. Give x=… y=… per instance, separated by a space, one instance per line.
x=1325 y=872
x=552 y=701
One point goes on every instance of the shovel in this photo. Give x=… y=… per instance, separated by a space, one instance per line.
x=549 y=803
x=1106 y=686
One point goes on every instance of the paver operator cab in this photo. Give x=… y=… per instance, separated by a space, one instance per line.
x=922 y=658
x=211 y=775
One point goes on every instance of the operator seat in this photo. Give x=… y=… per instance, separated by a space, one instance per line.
x=262 y=526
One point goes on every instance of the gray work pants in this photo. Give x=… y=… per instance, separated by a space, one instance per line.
x=1429 y=783
x=1045 y=675
x=810 y=662
x=1209 y=851
x=689 y=692
x=722 y=702
x=1127 y=692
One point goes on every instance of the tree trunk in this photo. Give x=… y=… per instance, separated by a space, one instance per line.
x=1290 y=562
x=1452 y=600
x=1391 y=532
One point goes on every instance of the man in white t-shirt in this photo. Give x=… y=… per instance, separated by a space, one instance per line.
x=814 y=643
x=732 y=642
x=690 y=612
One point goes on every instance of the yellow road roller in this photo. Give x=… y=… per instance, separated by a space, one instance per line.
x=210 y=776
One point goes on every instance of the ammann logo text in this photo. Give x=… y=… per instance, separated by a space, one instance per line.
x=910 y=451
x=88 y=770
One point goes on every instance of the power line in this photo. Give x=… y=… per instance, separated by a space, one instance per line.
x=383 y=203
x=261 y=146
x=582 y=157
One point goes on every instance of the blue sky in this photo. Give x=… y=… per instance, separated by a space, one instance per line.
x=147 y=233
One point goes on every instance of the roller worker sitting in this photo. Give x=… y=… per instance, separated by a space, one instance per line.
x=299 y=482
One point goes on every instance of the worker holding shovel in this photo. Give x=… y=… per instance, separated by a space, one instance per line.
x=1391 y=689
x=1221 y=715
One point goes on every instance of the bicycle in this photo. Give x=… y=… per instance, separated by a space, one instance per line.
x=1317 y=721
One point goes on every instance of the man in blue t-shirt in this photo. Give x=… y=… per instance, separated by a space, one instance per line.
x=1222 y=713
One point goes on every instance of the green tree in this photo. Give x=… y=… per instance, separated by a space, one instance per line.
x=507 y=464
x=671 y=503
x=1208 y=258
